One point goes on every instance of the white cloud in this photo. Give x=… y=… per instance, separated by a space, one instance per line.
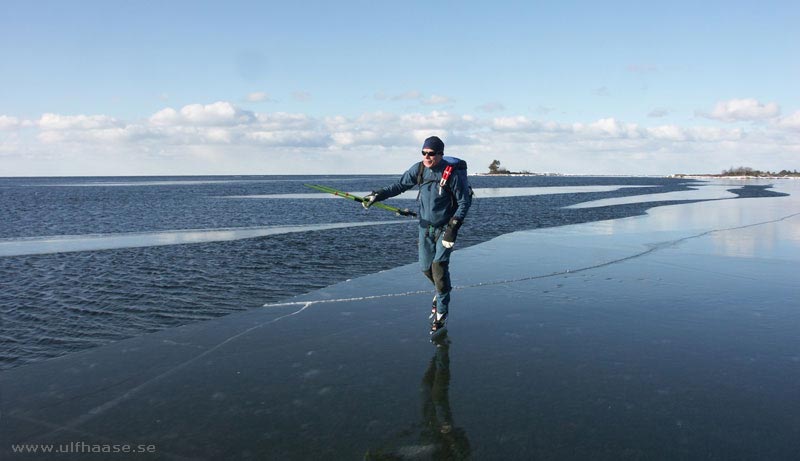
x=437 y=120
x=350 y=138
x=168 y=116
x=737 y=110
x=288 y=139
x=790 y=121
x=277 y=121
x=517 y=123
x=218 y=135
x=76 y=122
x=218 y=113
x=609 y=127
x=215 y=114
x=599 y=129
x=667 y=133
x=258 y=96
x=51 y=137
x=714 y=134
x=8 y=122
x=221 y=138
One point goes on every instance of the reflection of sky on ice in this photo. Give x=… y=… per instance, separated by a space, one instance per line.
x=672 y=222
x=70 y=243
x=767 y=241
x=494 y=192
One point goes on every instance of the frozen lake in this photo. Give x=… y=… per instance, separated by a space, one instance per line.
x=671 y=335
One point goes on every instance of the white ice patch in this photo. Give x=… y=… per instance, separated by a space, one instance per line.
x=525 y=191
x=93 y=242
x=180 y=182
x=703 y=192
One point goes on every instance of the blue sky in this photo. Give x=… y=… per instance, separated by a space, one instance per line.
x=268 y=88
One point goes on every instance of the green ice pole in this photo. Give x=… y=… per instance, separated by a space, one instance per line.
x=338 y=193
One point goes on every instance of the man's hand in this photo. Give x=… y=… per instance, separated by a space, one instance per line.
x=369 y=200
x=451 y=233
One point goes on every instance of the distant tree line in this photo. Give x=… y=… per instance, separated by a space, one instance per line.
x=747 y=171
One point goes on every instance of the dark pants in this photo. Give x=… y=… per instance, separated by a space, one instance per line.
x=434 y=260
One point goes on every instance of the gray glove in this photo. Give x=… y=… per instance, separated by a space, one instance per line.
x=369 y=200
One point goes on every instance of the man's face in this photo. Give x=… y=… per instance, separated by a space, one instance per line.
x=430 y=158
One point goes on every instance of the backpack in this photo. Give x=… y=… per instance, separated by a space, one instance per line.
x=454 y=166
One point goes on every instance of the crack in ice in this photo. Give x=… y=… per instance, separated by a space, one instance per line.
x=102 y=408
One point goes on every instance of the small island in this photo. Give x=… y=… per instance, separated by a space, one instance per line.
x=496 y=169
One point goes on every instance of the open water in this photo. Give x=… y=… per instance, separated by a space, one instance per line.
x=88 y=261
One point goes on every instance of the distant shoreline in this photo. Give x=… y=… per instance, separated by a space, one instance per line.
x=718 y=176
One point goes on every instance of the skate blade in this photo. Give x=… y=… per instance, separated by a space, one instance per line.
x=439 y=334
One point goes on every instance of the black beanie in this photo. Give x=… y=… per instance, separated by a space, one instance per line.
x=434 y=143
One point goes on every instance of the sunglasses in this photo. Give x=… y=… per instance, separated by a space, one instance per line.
x=430 y=154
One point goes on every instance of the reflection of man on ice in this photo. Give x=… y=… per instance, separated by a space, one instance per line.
x=451 y=442
x=439 y=439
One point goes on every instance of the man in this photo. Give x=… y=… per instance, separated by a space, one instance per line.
x=443 y=205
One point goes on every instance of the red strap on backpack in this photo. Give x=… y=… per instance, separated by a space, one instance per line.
x=446 y=175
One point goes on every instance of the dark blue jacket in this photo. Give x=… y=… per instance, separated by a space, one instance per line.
x=435 y=208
